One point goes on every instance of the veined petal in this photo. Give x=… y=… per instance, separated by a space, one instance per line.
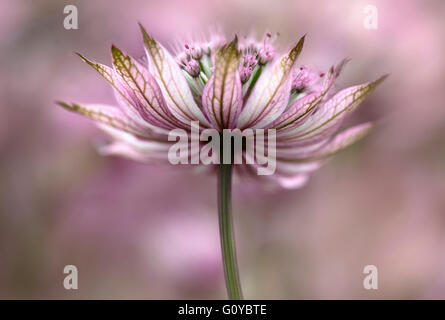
x=344 y=139
x=339 y=67
x=103 y=70
x=108 y=115
x=108 y=74
x=222 y=96
x=302 y=108
x=293 y=150
x=140 y=87
x=270 y=95
x=173 y=84
x=330 y=115
x=293 y=172
x=130 y=146
x=325 y=149
x=124 y=150
x=297 y=112
x=126 y=104
x=131 y=112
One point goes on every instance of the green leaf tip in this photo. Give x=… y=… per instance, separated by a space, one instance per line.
x=148 y=40
x=63 y=105
x=297 y=49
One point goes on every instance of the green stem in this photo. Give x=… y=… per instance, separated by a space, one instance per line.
x=228 y=249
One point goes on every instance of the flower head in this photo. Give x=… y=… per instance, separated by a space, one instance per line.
x=237 y=84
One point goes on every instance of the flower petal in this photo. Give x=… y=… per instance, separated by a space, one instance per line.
x=339 y=67
x=330 y=115
x=248 y=173
x=287 y=167
x=293 y=150
x=303 y=107
x=344 y=139
x=122 y=97
x=222 y=97
x=124 y=150
x=173 y=84
x=104 y=70
x=127 y=145
x=325 y=149
x=270 y=95
x=140 y=87
x=291 y=182
x=109 y=115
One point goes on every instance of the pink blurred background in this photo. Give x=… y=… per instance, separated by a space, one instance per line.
x=136 y=231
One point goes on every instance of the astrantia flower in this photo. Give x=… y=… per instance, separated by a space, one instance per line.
x=221 y=84
x=238 y=84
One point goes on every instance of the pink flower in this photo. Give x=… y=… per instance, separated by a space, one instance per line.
x=226 y=85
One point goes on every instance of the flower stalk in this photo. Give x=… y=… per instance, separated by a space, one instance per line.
x=226 y=232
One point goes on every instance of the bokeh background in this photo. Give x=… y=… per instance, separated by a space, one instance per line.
x=136 y=231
